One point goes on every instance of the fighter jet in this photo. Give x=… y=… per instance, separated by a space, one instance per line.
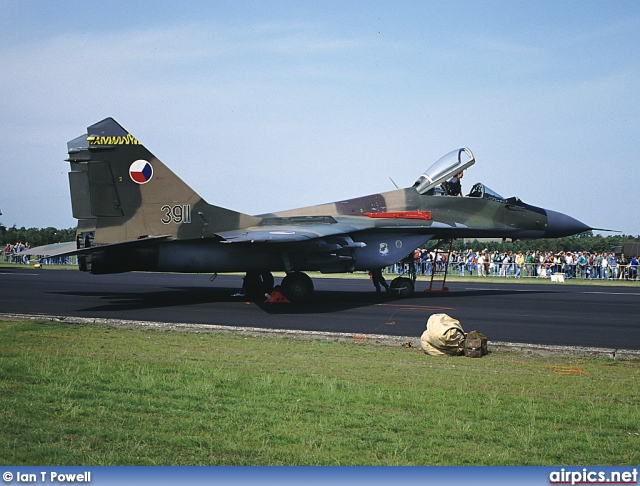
x=135 y=214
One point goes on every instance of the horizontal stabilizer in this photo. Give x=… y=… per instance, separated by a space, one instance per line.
x=70 y=249
x=53 y=250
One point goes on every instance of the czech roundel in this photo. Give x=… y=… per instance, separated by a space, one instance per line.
x=141 y=172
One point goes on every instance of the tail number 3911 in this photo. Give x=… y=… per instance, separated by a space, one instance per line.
x=180 y=213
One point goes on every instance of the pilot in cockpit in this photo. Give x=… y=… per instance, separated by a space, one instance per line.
x=453 y=186
x=439 y=174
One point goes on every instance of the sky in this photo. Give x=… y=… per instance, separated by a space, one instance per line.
x=265 y=106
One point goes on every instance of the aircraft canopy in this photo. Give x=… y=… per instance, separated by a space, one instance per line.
x=444 y=168
x=480 y=190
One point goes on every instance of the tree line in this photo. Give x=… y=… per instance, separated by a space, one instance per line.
x=35 y=236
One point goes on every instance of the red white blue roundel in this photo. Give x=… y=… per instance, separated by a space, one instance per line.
x=141 y=172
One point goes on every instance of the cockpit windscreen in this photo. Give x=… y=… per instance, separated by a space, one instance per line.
x=480 y=190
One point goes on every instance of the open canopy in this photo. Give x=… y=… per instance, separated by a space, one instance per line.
x=445 y=167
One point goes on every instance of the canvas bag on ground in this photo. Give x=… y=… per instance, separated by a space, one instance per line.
x=475 y=345
x=444 y=336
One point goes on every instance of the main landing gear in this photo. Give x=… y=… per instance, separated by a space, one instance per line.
x=298 y=287
x=255 y=285
x=295 y=286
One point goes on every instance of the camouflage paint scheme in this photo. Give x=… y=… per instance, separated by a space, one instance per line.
x=161 y=224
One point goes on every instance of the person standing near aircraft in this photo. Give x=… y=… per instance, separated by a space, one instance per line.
x=622 y=267
x=481 y=269
x=604 y=265
x=613 y=265
x=568 y=265
x=378 y=280
x=633 y=268
x=417 y=258
x=519 y=264
x=582 y=264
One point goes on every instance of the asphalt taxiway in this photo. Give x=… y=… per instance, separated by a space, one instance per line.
x=566 y=315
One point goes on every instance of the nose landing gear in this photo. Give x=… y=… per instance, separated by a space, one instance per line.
x=402 y=286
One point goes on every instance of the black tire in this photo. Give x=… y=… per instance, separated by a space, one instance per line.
x=402 y=286
x=297 y=287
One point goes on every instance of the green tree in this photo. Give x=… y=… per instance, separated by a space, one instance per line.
x=36 y=236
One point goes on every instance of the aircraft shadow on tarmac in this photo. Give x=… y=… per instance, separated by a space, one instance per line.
x=324 y=301
x=334 y=301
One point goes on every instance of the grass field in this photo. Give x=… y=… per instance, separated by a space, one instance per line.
x=90 y=395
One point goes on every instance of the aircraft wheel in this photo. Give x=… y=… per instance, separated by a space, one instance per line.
x=297 y=287
x=402 y=286
x=256 y=285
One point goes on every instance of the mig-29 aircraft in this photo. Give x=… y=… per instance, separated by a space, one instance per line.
x=135 y=214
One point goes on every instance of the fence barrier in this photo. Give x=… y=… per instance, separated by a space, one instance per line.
x=527 y=270
x=20 y=259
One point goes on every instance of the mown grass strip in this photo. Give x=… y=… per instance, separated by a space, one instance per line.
x=88 y=395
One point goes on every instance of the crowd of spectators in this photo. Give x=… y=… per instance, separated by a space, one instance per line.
x=13 y=253
x=583 y=265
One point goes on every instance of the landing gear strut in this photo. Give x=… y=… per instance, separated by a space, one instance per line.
x=256 y=285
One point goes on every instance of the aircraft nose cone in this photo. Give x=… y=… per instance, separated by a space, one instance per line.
x=559 y=225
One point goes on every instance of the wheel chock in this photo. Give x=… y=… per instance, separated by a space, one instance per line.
x=276 y=297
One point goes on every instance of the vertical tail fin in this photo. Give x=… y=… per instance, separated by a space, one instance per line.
x=120 y=191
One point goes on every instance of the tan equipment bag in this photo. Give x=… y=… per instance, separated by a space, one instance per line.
x=444 y=336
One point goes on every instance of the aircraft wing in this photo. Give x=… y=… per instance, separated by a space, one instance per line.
x=304 y=228
x=293 y=229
